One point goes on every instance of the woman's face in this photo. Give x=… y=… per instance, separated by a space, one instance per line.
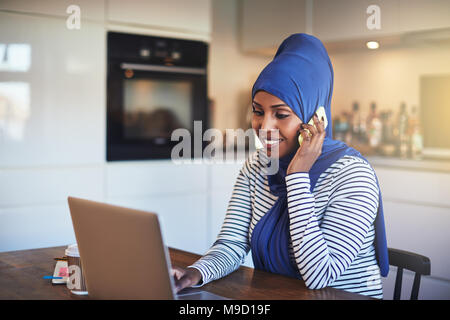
x=271 y=113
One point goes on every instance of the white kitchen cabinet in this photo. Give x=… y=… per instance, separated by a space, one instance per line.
x=414 y=186
x=219 y=199
x=420 y=229
x=52 y=97
x=223 y=177
x=89 y=10
x=222 y=180
x=417 y=218
x=347 y=19
x=36 y=226
x=265 y=23
x=154 y=177
x=173 y=15
x=49 y=186
x=33 y=204
x=423 y=230
x=177 y=193
x=419 y=15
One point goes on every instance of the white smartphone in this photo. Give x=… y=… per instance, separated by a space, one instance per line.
x=320 y=113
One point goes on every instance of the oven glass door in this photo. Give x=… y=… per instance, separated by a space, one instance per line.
x=153 y=108
x=145 y=107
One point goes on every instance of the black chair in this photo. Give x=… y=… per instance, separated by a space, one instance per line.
x=417 y=263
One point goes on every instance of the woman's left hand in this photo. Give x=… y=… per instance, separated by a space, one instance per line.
x=311 y=147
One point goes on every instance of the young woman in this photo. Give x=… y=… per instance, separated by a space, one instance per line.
x=320 y=217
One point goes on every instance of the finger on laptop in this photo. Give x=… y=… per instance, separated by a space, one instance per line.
x=177 y=272
x=183 y=282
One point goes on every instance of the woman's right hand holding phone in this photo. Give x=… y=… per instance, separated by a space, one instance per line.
x=311 y=147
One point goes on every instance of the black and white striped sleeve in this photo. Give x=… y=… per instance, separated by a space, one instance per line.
x=323 y=252
x=232 y=245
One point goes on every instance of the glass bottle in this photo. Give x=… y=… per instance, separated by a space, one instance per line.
x=374 y=127
x=403 y=137
x=355 y=124
x=415 y=132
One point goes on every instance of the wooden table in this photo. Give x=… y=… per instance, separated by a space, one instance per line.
x=21 y=277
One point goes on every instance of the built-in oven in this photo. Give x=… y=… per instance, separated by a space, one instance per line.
x=154 y=86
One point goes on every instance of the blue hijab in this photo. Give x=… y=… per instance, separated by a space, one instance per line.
x=301 y=75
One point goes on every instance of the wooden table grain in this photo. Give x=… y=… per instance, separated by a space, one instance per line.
x=22 y=272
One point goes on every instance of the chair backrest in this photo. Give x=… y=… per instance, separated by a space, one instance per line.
x=417 y=263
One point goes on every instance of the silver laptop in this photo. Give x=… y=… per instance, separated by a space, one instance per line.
x=123 y=255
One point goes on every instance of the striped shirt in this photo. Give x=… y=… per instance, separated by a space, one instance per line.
x=331 y=229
